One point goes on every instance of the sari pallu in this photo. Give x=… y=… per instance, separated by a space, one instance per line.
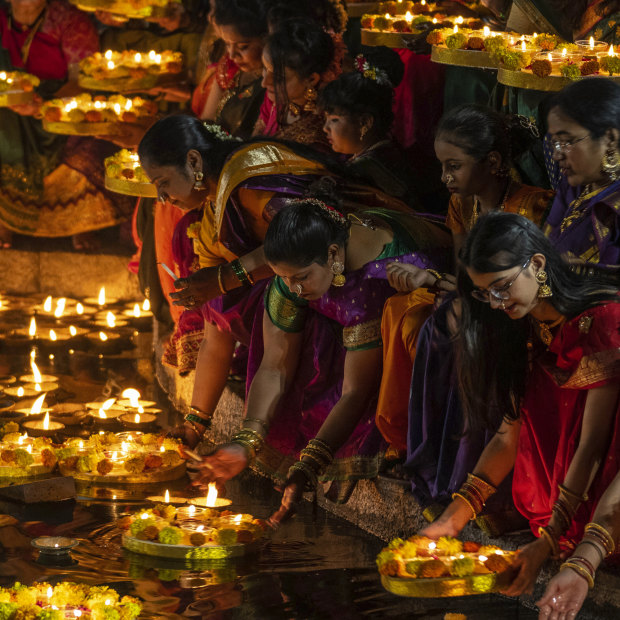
x=345 y=319
x=584 y=354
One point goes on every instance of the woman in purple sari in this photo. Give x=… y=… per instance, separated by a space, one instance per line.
x=315 y=367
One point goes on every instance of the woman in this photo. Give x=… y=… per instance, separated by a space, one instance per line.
x=242 y=187
x=314 y=377
x=358 y=122
x=548 y=365
x=231 y=93
x=51 y=186
x=475 y=147
x=567 y=591
x=299 y=58
x=584 y=128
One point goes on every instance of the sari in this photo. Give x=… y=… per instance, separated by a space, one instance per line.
x=345 y=319
x=51 y=185
x=439 y=453
x=586 y=226
x=584 y=354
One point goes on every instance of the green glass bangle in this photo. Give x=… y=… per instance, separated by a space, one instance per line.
x=190 y=417
x=240 y=272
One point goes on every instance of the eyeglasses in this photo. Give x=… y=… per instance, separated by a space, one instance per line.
x=499 y=294
x=566 y=145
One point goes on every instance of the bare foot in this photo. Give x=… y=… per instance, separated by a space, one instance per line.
x=86 y=242
x=6 y=238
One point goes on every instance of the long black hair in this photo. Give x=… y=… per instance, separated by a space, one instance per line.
x=492 y=349
x=355 y=95
x=478 y=130
x=301 y=233
x=248 y=17
x=301 y=46
x=330 y=14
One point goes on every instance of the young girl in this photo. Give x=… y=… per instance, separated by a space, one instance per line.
x=539 y=346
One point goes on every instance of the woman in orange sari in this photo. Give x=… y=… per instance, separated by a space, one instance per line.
x=475 y=146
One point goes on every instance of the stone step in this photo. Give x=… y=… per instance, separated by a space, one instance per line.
x=66 y=274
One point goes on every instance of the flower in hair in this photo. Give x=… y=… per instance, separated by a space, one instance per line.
x=330 y=211
x=219 y=133
x=372 y=73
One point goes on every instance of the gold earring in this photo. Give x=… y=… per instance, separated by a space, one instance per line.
x=363 y=131
x=544 y=290
x=337 y=269
x=310 y=96
x=198 y=176
x=611 y=164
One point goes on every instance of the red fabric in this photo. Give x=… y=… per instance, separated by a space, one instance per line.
x=66 y=36
x=418 y=101
x=222 y=72
x=552 y=417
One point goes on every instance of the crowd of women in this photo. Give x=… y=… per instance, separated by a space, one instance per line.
x=433 y=316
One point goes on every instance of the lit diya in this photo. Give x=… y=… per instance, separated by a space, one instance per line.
x=36 y=376
x=68 y=413
x=104 y=414
x=107 y=319
x=104 y=341
x=101 y=300
x=131 y=399
x=138 y=421
x=7 y=380
x=167 y=499
x=40 y=428
x=211 y=500
x=23 y=334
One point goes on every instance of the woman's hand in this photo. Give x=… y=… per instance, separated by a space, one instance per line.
x=407 y=278
x=225 y=463
x=526 y=566
x=110 y=19
x=450 y=523
x=563 y=597
x=32 y=108
x=292 y=494
x=186 y=433
x=197 y=289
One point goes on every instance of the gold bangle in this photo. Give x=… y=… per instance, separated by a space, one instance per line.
x=603 y=534
x=566 y=491
x=580 y=570
x=264 y=424
x=459 y=495
x=545 y=532
x=438 y=276
x=482 y=485
x=220 y=281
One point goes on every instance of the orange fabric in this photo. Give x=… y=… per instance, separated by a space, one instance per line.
x=403 y=317
x=166 y=219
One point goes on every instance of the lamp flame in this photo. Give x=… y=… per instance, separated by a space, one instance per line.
x=564 y=52
x=20 y=391
x=79 y=308
x=146 y=306
x=455 y=29
x=101 y=299
x=102 y=414
x=459 y=19
x=523 y=46
x=611 y=50
x=137 y=418
x=133 y=396
x=191 y=511
x=408 y=17
x=50 y=592
x=108 y=55
x=138 y=57
x=103 y=336
x=110 y=319
x=591 y=43
x=53 y=336
x=108 y=403
x=37 y=405
x=60 y=307
x=72 y=330
x=32 y=330
x=211 y=495
x=35 y=371
x=237 y=519
x=136 y=310
x=167 y=497
x=47 y=306
x=486 y=31
x=46 y=421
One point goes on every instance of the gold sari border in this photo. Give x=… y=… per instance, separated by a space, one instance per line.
x=363 y=336
x=592 y=369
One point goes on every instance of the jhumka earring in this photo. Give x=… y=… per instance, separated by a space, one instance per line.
x=544 y=290
x=337 y=269
x=310 y=96
x=198 y=176
x=611 y=164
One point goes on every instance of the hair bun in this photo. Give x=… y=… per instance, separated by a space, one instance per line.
x=386 y=60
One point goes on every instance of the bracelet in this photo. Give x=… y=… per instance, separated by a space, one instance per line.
x=311 y=477
x=461 y=496
x=564 y=513
x=601 y=535
x=190 y=417
x=251 y=440
x=194 y=428
x=566 y=491
x=438 y=276
x=579 y=559
x=258 y=421
x=547 y=533
x=241 y=272
x=481 y=485
x=316 y=464
x=220 y=281
x=599 y=549
x=201 y=413
x=580 y=570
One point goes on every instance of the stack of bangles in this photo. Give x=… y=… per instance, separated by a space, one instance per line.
x=252 y=441
x=475 y=492
x=438 y=278
x=242 y=274
x=314 y=459
x=599 y=538
x=562 y=516
x=198 y=416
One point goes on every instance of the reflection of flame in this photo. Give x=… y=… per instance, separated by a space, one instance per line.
x=133 y=396
x=237 y=519
x=38 y=405
x=20 y=440
x=102 y=414
x=29 y=449
x=103 y=336
x=79 y=308
x=146 y=306
x=136 y=310
x=32 y=330
x=101 y=299
x=46 y=421
x=137 y=418
x=108 y=55
x=60 y=307
x=53 y=336
x=20 y=391
x=482 y=558
x=191 y=511
x=37 y=387
x=124 y=446
x=167 y=497
x=47 y=306
x=113 y=457
x=211 y=495
x=432 y=546
x=108 y=403
x=162 y=449
x=144 y=515
x=72 y=330
x=35 y=371
x=200 y=528
x=50 y=591
x=110 y=319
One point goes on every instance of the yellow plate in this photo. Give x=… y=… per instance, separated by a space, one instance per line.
x=131 y=188
x=188 y=552
x=124 y=9
x=20 y=472
x=445 y=586
x=83 y=129
x=16 y=97
x=163 y=474
x=118 y=85
x=389 y=39
x=462 y=58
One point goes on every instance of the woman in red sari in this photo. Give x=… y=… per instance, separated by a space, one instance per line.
x=549 y=363
x=50 y=186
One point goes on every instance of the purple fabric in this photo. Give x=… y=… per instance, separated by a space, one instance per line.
x=601 y=223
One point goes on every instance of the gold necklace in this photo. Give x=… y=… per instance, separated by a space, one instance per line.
x=574 y=212
x=475 y=212
x=544 y=329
